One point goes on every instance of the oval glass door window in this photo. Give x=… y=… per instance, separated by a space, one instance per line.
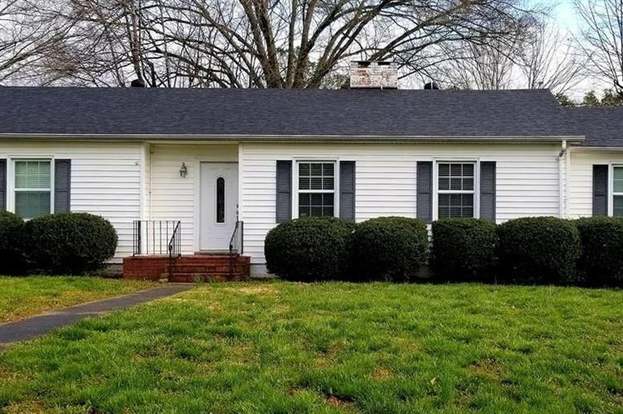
x=220 y=200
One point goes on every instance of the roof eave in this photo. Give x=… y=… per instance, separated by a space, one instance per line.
x=296 y=138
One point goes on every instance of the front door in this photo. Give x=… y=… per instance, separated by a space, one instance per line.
x=219 y=204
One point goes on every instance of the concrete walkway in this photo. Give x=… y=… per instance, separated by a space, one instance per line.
x=42 y=324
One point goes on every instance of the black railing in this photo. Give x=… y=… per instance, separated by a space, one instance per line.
x=157 y=238
x=236 y=242
x=236 y=245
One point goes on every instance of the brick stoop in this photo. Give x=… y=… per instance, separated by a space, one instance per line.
x=198 y=268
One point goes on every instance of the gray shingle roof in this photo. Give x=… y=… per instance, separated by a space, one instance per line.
x=603 y=127
x=391 y=113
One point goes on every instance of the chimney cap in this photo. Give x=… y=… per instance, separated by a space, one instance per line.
x=137 y=83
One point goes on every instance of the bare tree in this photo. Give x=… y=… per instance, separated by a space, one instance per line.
x=602 y=39
x=264 y=43
x=548 y=60
x=24 y=38
x=478 y=66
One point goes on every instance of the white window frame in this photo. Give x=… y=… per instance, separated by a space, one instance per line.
x=437 y=191
x=611 y=192
x=336 y=184
x=11 y=190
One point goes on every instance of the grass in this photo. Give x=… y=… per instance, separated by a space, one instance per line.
x=26 y=296
x=332 y=348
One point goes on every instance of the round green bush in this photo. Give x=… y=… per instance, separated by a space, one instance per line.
x=463 y=249
x=538 y=250
x=389 y=248
x=69 y=243
x=11 y=261
x=601 y=261
x=309 y=249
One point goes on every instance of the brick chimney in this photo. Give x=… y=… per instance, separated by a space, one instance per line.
x=373 y=75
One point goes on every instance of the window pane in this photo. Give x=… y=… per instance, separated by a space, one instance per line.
x=316 y=169
x=31 y=204
x=304 y=183
x=444 y=184
x=316 y=204
x=316 y=183
x=618 y=206
x=304 y=169
x=32 y=174
x=618 y=179
x=455 y=170
x=456 y=205
x=468 y=170
x=220 y=200
x=316 y=199
x=455 y=184
x=327 y=183
x=468 y=184
x=327 y=169
x=444 y=170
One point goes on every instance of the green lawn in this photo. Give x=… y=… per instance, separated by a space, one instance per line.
x=27 y=296
x=375 y=348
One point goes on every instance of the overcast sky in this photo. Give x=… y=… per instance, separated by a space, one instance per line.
x=566 y=18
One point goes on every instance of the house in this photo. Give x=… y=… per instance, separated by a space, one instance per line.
x=196 y=170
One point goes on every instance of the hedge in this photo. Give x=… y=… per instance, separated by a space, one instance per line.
x=463 y=249
x=309 y=249
x=538 y=250
x=11 y=259
x=69 y=243
x=389 y=248
x=601 y=262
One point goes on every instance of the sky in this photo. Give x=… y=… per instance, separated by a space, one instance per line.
x=565 y=17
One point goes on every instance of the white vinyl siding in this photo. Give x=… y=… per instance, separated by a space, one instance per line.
x=105 y=179
x=527 y=179
x=177 y=198
x=580 y=185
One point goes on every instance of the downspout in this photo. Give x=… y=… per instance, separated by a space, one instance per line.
x=562 y=179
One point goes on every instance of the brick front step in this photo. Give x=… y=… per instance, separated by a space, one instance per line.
x=187 y=268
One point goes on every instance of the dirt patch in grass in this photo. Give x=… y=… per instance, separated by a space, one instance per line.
x=380 y=374
x=487 y=368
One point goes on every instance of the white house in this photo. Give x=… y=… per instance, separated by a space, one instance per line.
x=213 y=158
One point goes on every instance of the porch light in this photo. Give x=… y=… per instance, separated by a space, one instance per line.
x=183 y=170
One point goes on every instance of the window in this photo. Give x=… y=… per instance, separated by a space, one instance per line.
x=33 y=185
x=316 y=189
x=455 y=189
x=617 y=192
x=220 y=200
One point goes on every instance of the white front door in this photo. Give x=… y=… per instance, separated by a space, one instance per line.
x=219 y=204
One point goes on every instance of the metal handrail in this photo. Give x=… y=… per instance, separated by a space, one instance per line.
x=175 y=243
x=156 y=237
x=238 y=231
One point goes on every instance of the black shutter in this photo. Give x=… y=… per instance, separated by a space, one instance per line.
x=347 y=190
x=62 y=186
x=487 y=190
x=2 y=185
x=283 y=211
x=600 y=190
x=424 y=201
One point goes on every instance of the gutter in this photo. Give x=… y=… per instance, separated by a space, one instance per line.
x=294 y=138
x=563 y=158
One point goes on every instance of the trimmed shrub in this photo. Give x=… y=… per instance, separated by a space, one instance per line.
x=463 y=249
x=538 y=250
x=309 y=249
x=389 y=248
x=601 y=262
x=69 y=243
x=11 y=260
